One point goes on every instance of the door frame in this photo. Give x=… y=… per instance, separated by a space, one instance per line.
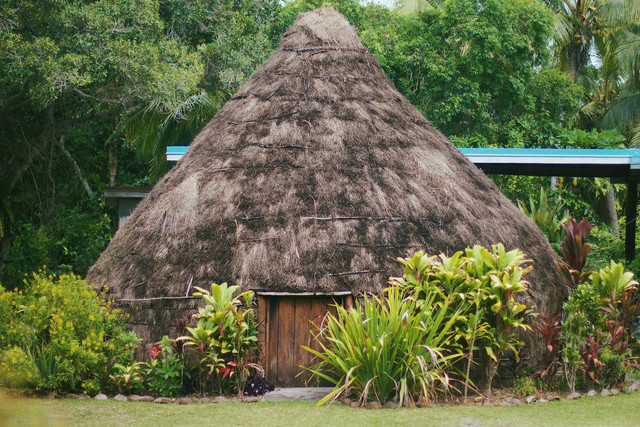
x=264 y=299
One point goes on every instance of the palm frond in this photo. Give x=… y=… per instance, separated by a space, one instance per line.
x=623 y=110
x=156 y=125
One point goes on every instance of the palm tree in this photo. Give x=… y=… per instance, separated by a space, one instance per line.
x=623 y=112
x=576 y=24
x=587 y=47
x=154 y=126
x=409 y=7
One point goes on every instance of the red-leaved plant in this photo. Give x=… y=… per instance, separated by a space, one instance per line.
x=590 y=362
x=574 y=253
x=548 y=364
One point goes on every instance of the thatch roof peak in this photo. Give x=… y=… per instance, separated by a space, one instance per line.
x=321 y=28
x=314 y=176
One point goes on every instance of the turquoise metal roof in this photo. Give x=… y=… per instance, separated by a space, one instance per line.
x=620 y=163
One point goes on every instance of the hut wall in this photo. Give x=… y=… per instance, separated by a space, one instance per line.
x=151 y=319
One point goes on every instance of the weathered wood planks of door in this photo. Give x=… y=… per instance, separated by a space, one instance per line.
x=286 y=323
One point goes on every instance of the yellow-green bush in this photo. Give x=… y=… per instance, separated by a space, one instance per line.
x=69 y=330
x=17 y=369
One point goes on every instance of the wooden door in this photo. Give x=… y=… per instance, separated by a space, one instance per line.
x=287 y=323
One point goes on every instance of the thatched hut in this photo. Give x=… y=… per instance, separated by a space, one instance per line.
x=309 y=183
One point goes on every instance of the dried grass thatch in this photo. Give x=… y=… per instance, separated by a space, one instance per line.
x=314 y=176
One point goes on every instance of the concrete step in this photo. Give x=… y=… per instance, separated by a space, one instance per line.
x=297 y=393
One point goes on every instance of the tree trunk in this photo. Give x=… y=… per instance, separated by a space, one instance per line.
x=491 y=370
x=113 y=164
x=611 y=209
x=84 y=182
x=34 y=148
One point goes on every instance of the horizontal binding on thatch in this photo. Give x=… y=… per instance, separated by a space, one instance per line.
x=155 y=299
x=311 y=48
x=302 y=294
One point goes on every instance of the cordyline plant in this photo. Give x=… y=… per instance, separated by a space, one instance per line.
x=386 y=349
x=574 y=253
x=449 y=282
x=597 y=330
x=501 y=273
x=549 y=362
x=225 y=337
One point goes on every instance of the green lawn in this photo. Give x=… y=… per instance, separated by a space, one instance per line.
x=621 y=410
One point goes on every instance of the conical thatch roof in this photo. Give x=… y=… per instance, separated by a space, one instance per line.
x=314 y=176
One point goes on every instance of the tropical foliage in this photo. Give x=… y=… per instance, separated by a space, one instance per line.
x=224 y=340
x=437 y=313
x=62 y=328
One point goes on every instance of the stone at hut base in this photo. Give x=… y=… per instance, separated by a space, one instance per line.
x=591 y=393
x=204 y=400
x=553 y=396
x=542 y=400
x=84 y=396
x=164 y=400
x=219 y=399
x=487 y=403
x=252 y=399
x=346 y=401
x=355 y=404
x=120 y=398
x=136 y=398
x=531 y=399
x=392 y=404
x=635 y=386
x=185 y=401
x=605 y=392
x=374 y=405
x=512 y=401
x=71 y=396
x=574 y=395
x=615 y=391
x=101 y=396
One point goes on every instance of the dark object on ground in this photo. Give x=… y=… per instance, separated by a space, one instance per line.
x=256 y=385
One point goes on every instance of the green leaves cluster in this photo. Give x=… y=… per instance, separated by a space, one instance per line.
x=387 y=349
x=66 y=330
x=224 y=339
x=546 y=214
x=404 y=345
x=598 y=330
x=480 y=285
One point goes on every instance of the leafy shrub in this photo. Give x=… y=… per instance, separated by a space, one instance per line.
x=166 y=370
x=387 y=348
x=525 y=386
x=598 y=328
x=481 y=287
x=17 y=369
x=68 y=330
x=224 y=341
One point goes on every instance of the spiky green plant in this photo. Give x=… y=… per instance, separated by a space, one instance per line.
x=386 y=349
x=546 y=214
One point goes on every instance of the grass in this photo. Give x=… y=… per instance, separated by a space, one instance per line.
x=621 y=410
